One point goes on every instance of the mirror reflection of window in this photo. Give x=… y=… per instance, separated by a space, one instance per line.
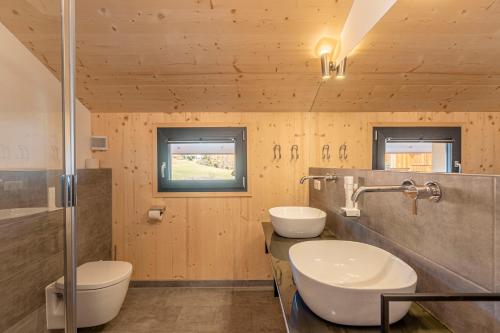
x=417 y=149
x=416 y=156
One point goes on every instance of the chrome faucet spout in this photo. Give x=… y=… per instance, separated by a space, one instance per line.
x=430 y=190
x=381 y=188
x=326 y=177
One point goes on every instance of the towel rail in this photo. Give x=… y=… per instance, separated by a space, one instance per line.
x=385 y=299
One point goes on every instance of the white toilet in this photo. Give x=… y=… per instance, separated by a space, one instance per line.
x=101 y=289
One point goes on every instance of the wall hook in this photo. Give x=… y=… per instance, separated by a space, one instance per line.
x=294 y=152
x=343 y=152
x=277 y=152
x=325 y=152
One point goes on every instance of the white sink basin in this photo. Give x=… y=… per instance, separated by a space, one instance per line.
x=297 y=222
x=341 y=281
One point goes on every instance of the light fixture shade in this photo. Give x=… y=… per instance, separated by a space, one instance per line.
x=325 y=66
x=341 y=68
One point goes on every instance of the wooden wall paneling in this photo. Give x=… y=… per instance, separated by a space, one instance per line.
x=172 y=236
x=220 y=238
x=263 y=134
x=207 y=231
x=138 y=160
x=111 y=126
x=299 y=131
x=171 y=240
x=479 y=143
x=277 y=180
x=265 y=177
x=324 y=133
x=335 y=131
x=214 y=227
x=233 y=227
x=362 y=138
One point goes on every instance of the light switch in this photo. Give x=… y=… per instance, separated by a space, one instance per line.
x=317 y=185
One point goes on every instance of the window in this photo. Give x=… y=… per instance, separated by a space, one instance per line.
x=425 y=149
x=202 y=159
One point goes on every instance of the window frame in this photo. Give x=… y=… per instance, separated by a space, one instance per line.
x=429 y=133
x=204 y=188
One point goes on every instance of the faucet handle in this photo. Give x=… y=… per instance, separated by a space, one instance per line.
x=414 y=206
x=408 y=183
x=434 y=191
x=430 y=190
x=410 y=189
x=411 y=192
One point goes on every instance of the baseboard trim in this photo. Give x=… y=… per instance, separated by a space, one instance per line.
x=203 y=284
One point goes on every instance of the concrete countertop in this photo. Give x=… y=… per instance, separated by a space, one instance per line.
x=299 y=319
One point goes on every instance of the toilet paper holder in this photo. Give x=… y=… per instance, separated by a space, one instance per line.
x=153 y=213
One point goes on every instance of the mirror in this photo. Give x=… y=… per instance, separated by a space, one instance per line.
x=424 y=65
x=417 y=149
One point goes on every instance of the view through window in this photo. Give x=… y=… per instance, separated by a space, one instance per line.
x=203 y=161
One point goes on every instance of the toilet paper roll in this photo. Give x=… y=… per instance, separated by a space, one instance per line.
x=91 y=163
x=155 y=215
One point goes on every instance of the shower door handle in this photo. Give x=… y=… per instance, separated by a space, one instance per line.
x=68 y=190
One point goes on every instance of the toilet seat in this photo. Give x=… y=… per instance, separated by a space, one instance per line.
x=99 y=274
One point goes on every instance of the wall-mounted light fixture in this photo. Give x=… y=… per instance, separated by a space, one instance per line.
x=328 y=68
x=340 y=69
x=326 y=49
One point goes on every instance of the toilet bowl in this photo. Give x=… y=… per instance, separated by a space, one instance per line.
x=101 y=290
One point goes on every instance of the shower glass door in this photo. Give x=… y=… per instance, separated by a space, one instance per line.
x=36 y=229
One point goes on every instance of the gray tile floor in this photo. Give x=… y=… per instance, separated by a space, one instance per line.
x=196 y=310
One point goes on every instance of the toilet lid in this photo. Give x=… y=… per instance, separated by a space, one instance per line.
x=99 y=274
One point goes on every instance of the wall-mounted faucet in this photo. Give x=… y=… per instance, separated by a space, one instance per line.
x=430 y=190
x=326 y=177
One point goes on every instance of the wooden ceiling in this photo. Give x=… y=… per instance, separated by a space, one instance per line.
x=424 y=55
x=242 y=55
x=186 y=55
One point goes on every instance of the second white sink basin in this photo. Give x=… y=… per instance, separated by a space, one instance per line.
x=297 y=222
x=341 y=281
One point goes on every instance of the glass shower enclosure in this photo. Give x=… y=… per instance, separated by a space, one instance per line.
x=37 y=161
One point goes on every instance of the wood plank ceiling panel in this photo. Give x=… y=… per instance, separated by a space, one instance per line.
x=178 y=55
x=423 y=56
x=241 y=55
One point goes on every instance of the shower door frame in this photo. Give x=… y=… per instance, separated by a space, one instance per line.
x=69 y=180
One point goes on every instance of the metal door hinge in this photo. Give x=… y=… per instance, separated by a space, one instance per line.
x=244 y=182
x=244 y=135
x=69 y=190
x=375 y=135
